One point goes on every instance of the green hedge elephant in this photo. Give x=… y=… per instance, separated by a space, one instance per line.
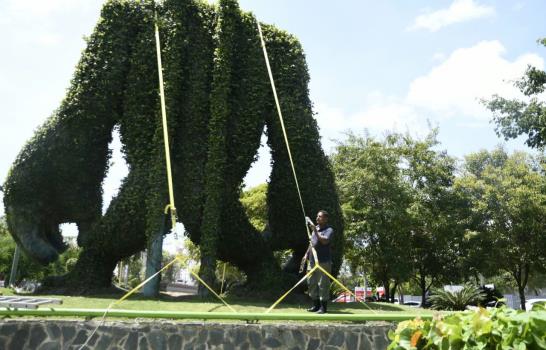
x=219 y=102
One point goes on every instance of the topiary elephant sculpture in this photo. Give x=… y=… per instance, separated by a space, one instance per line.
x=219 y=102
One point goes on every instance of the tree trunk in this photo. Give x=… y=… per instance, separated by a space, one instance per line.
x=154 y=255
x=393 y=292
x=521 y=286
x=521 y=275
x=386 y=286
x=423 y=286
x=207 y=272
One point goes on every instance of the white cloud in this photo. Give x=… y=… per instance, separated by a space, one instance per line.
x=438 y=56
x=459 y=11
x=450 y=90
x=377 y=117
x=455 y=86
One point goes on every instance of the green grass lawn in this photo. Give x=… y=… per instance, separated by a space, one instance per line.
x=197 y=304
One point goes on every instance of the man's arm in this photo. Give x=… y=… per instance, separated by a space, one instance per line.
x=324 y=236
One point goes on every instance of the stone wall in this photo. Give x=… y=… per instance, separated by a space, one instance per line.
x=17 y=334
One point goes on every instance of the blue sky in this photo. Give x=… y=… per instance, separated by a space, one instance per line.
x=376 y=65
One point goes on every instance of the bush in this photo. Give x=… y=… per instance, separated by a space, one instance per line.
x=500 y=328
x=456 y=301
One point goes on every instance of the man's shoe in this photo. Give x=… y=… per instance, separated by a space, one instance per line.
x=315 y=307
x=323 y=307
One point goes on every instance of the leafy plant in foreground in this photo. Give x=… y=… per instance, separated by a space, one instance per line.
x=501 y=328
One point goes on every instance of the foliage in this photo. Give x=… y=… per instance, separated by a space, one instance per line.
x=189 y=256
x=7 y=248
x=507 y=196
x=375 y=199
x=457 y=300
x=219 y=100
x=228 y=275
x=501 y=328
x=399 y=207
x=504 y=281
x=516 y=117
x=130 y=271
x=493 y=297
x=254 y=201
x=436 y=221
x=28 y=269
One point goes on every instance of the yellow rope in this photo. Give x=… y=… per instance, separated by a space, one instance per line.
x=291 y=289
x=223 y=278
x=279 y=112
x=145 y=281
x=112 y=304
x=212 y=290
x=171 y=205
x=342 y=286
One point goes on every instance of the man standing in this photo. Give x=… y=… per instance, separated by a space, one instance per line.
x=319 y=283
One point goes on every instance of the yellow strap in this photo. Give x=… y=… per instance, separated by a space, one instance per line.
x=281 y=119
x=132 y=291
x=347 y=289
x=223 y=279
x=171 y=205
x=291 y=289
x=212 y=290
x=112 y=304
x=279 y=112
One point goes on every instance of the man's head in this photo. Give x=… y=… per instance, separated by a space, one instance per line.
x=322 y=217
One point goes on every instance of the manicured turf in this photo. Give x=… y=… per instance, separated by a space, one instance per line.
x=191 y=306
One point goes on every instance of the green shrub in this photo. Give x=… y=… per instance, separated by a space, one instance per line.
x=500 y=328
x=133 y=282
x=458 y=300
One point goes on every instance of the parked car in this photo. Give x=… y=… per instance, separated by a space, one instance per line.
x=535 y=301
x=412 y=303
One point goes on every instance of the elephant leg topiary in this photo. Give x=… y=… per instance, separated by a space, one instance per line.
x=219 y=102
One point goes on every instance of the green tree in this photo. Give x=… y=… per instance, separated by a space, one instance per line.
x=7 y=247
x=375 y=199
x=435 y=226
x=508 y=194
x=515 y=117
x=254 y=201
x=402 y=213
x=28 y=268
x=475 y=246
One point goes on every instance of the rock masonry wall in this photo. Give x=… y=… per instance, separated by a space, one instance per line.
x=17 y=334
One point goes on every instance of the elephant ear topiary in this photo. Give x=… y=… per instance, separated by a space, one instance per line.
x=218 y=101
